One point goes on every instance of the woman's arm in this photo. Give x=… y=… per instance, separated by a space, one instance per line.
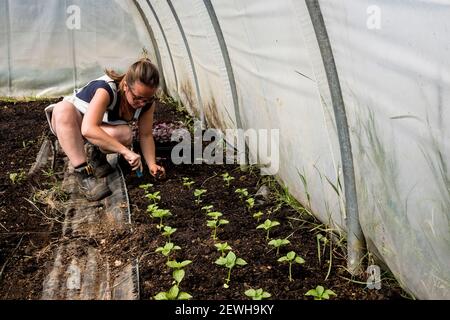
x=147 y=142
x=91 y=129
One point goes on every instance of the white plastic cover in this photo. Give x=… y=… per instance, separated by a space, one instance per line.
x=392 y=61
x=49 y=47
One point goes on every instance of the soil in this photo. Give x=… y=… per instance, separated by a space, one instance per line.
x=29 y=233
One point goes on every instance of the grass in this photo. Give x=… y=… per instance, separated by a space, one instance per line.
x=24 y=99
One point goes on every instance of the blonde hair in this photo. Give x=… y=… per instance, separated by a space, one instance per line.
x=142 y=70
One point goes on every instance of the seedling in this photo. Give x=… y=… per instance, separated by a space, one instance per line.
x=216 y=222
x=160 y=214
x=291 y=257
x=173 y=294
x=319 y=293
x=277 y=243
x=198 y=194
x=173 y=264
x=230 y=261
x=257 y=294
x=169 y=247
x=146 y=187
x=258 y=216
x=320 y=238
x=250 y=203
x=178 y=272
x=188 y=183
x=152 y=208
x=243 y=193
x=155 y=197
x=222 y=247
x=268 y=225
x=227 y=178
x=168 y=231
x=207 y=209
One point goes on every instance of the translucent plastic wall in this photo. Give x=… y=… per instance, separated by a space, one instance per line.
x=49 y=47
x=257 y=64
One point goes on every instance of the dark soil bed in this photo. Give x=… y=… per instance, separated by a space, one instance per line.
x=28 y=234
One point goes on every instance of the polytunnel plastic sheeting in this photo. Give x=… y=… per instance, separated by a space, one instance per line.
x=48 y=49
x=259 y=66
x=397 y=117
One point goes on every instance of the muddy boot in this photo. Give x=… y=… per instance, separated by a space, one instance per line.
x=98 y=161
x=92 y=188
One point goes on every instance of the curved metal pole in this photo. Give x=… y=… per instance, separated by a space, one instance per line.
x=154 y=43
x=165 y=40
x=191 y=60
x=355 y=237
x=226 y=59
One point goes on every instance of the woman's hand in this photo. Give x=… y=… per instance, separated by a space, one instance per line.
x=133 y=159
x=157 y=171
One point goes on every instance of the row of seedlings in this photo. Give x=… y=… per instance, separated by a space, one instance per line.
x=169 y=247
x=291 y=258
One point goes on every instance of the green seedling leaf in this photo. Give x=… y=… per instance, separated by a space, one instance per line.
x=168 y=248
x=215 y=215
x=258 y=216
x=178 y=265
x=230 y=261
x=146 y=187
x=198 y=194
x=268 y=225
x=207 y=209
x=168 y=232
x=178 y=275
x=222 y=247
x=227 y=178
x=155 y=197
x=243 y=193
x=320 y=293
x=291 y=257
x=277 y=243
x=257 y=294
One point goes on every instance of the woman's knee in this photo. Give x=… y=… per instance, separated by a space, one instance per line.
x=65 y=114
x=122 y=133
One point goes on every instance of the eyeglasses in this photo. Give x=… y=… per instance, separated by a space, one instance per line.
x=141 y=99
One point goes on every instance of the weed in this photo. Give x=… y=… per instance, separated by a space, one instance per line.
x=17 y=177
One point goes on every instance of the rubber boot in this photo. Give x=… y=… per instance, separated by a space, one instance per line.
x=92 y=188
